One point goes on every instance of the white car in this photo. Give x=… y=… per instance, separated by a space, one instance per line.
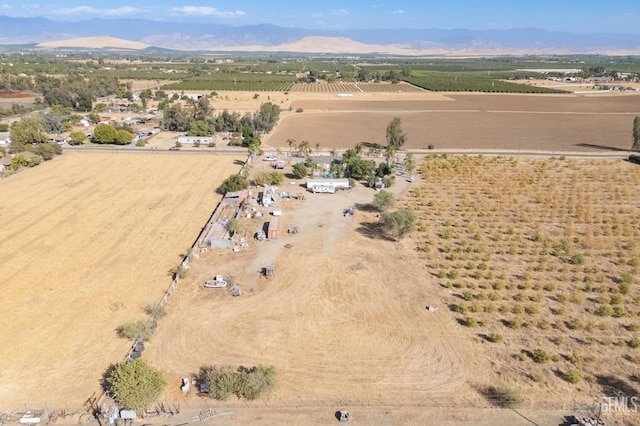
x=270 y=158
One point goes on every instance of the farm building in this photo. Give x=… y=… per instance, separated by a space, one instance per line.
x=327 y=185
x=272 y=232
x=190 y=140
x=216 y=233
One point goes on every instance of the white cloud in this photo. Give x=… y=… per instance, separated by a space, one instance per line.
x=398 y=12
x=206 y=11
x=88 y=10
x=340 y=12
x=5 y=6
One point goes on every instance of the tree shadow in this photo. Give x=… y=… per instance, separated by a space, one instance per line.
x=366 y=207
x=602 y=147
x=373 y=230
x=616 y=386
x=104 y=384
x=238 y=163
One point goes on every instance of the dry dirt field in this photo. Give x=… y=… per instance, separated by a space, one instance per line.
x=466 y=121
x=87 y=242
x=344 y=319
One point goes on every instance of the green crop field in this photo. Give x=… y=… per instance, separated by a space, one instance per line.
x=467 y=82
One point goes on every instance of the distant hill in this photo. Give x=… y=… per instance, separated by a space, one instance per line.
x=272 y=38
x=94 y=43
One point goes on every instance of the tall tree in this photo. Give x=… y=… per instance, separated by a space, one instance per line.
x=395 y=136
x=25 y=131
x=135 y=384
x=636 y=134
x=304 y=148
x=292 y=144
x=409 y=164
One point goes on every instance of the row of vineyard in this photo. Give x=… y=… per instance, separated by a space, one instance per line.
x=459 y=82
x=354 y=88
x=248 y=86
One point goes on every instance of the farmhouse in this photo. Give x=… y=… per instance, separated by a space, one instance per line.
x=190 y=140
x=327 y=185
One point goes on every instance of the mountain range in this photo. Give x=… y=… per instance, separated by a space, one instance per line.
x=272 y=38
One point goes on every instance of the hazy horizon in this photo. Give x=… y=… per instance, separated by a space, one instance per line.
x=337 y=15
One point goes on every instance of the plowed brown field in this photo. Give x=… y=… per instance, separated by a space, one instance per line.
x=468 y=121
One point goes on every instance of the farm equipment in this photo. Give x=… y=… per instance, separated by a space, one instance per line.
x=268 y=271
x=293 y=230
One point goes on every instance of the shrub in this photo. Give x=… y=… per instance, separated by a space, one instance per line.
x=462 y=308
x=604 y=311
x=399 y=223
x=243 y=382
x=269 y=178
x=634 y=343
x=235 y=182
x=180 y=271
x=135 y=385
x=495 y=337
x=503 y=397
x=470 y=322
x=299 y=170
x=156 y=310
x=576 y=324
x=137 y=329
x=540 y=356
x=573 y=376
x=384 y=200
x=515 y=323
x=577 y=259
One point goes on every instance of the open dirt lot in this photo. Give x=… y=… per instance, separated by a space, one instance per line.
x=466 y=121
x=87 y=242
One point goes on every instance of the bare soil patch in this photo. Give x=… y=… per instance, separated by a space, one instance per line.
x=88 y=241
x=344 y=317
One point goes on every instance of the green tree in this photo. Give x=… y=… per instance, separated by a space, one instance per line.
x=77 y=138
x=48 y=150
x=636 y=134
x=235 y=182
x=304 y=148
x=234 y=226
x=25 y=131
x=384 y=200
x=409 y=164
x=359 y=168
x=395 y=137
x=104 y=133
x=292 y=145
x=399 y=223
x=123 y=137
x=201 y=128
x=135 y=385
x=299 y=170
x=19 y=161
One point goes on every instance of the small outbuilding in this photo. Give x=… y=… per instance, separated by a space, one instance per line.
x=272 y=232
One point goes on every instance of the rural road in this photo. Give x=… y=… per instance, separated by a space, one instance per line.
x=519 y=153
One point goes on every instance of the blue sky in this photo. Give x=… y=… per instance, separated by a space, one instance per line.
x=588 y=16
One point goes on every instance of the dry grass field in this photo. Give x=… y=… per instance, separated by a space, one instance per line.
x=87 y=242
x=466 y=121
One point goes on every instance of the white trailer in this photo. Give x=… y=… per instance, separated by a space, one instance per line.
x=327 y=185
